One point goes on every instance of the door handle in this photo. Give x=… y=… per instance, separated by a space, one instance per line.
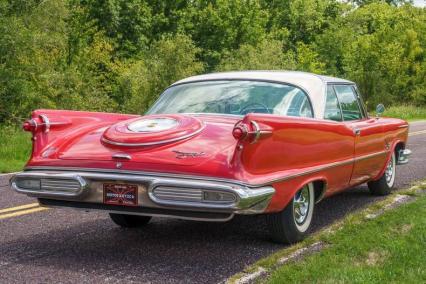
x=357 y=131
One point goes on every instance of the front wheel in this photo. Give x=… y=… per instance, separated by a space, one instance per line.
x=291 y=224
x=385 y=183
x=129 y=221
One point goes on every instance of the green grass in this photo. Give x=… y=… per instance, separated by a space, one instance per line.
x=388 y=249
x=406 y=112
x=15 y=149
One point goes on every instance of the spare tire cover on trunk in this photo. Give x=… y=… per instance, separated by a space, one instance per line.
x=152 y=130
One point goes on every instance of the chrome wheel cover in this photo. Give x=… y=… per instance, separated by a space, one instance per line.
x=390 y=171
x=301 y=205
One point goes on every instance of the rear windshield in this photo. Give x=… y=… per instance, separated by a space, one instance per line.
x=234 y=97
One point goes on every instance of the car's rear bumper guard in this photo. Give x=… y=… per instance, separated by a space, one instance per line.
x=154 y=192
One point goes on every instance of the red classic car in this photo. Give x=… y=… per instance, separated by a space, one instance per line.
x=216 y=145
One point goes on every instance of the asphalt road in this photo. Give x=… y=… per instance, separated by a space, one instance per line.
x=63 y=245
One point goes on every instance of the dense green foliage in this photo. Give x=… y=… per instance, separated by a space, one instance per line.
x=118 y=55
x=15 y=149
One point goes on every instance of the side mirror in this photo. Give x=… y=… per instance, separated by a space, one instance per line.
x=380 y=108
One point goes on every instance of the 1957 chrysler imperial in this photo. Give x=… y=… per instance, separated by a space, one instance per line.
x=216 y=145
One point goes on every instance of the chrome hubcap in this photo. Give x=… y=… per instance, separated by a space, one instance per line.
x=389 y=172
x=301 y=205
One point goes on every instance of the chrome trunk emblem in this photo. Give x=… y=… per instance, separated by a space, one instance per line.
x=183 y=155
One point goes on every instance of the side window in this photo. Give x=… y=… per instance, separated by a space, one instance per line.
x=360 y=101
x=332 y=107
x=299 y=105
x=348 y=102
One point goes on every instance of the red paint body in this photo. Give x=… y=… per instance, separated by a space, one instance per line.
x=293 y=151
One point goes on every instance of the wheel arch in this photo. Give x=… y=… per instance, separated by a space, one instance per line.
x=287 y=189
x=320 y=187
x=399 y=145
x=396 y=146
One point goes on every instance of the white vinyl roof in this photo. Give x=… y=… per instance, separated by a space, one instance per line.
x=314 y=85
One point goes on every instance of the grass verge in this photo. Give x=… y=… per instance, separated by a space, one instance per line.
x=386 y=248
x=15 y=149
x=406 y=112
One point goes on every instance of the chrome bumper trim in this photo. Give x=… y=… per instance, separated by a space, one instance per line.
x=50 y=181
x=138 y=211
x=403 y=156
x=247 y=201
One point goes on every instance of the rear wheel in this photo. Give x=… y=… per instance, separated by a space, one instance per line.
x=129 y=221
x=385 y=183
x=291 y=224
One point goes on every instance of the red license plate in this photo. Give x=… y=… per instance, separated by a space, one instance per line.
x=121 y=194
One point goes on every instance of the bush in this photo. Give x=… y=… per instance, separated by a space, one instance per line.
x=118 y=55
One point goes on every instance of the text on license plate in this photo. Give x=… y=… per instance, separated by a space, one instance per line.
x=120 y=194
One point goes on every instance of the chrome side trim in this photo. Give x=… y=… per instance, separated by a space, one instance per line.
x=360 y=158
x=403 y=126
x=206 y=178
x=326 y=167
x=403 y=156
x=153 y=143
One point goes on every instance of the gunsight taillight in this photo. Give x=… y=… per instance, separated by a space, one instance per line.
x=253 y=132
x=30 y=125
x=41 y=122
x=239 y=133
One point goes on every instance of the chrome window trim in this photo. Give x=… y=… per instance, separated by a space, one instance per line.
x=330 y=85
x=361 y=101
x=304 y=91
x=361 y=109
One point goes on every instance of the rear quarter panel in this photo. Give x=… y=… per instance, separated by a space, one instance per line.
x=66 y=126
x=395 y=132
x=298 y=150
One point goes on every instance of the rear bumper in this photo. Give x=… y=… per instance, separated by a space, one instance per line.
x=173 y=196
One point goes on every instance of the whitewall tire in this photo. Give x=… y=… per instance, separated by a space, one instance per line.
x=291 y=224
x=386 y=182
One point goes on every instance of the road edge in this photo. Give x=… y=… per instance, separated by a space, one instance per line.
x=4 y=179
x=313 y=244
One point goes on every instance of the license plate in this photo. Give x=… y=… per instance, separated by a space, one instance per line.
x=120 y=194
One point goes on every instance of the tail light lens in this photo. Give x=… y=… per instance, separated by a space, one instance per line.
x=30 y=125
x=240 y=131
